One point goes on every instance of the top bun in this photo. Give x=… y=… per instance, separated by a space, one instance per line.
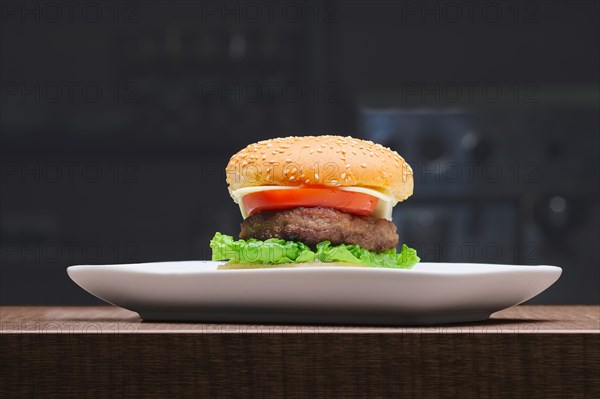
x=321 y=160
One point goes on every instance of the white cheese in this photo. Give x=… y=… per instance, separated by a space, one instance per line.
x=383 y=209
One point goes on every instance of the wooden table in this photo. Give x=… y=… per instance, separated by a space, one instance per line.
x=526 y=351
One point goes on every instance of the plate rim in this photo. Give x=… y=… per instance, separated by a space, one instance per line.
x=502 y=268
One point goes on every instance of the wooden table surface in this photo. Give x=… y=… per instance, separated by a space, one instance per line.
x=525 y=351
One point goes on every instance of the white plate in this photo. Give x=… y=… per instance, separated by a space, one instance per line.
x=429 y=293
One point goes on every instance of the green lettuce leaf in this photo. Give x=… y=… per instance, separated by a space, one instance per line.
x=276 y=251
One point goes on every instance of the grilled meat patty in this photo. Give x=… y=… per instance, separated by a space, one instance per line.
x=313 y=225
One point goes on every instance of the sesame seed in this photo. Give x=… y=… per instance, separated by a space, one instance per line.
x=320 y=150
x=316 y=176
x=347 y=165
x=343 y=175
x=306 y=181
x=292 y=177
x=364 y=165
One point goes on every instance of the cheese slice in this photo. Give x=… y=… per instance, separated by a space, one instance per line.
x=383 y=209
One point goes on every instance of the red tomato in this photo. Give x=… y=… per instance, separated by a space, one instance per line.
x=345 y=201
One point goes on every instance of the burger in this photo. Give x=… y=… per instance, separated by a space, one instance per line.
x=316 y=201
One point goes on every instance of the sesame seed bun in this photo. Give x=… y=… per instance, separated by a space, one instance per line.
x=321 y=160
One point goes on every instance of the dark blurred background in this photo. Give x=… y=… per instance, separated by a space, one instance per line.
x=118 y=118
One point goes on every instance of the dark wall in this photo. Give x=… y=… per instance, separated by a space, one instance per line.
x=118 y=118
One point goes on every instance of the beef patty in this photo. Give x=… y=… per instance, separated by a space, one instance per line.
x=313 y=225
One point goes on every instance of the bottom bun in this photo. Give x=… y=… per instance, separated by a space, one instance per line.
x=238 y=266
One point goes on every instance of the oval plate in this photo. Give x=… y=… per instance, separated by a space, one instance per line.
x=429 y=293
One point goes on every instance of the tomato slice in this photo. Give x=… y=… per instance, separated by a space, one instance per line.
x=344 y=201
